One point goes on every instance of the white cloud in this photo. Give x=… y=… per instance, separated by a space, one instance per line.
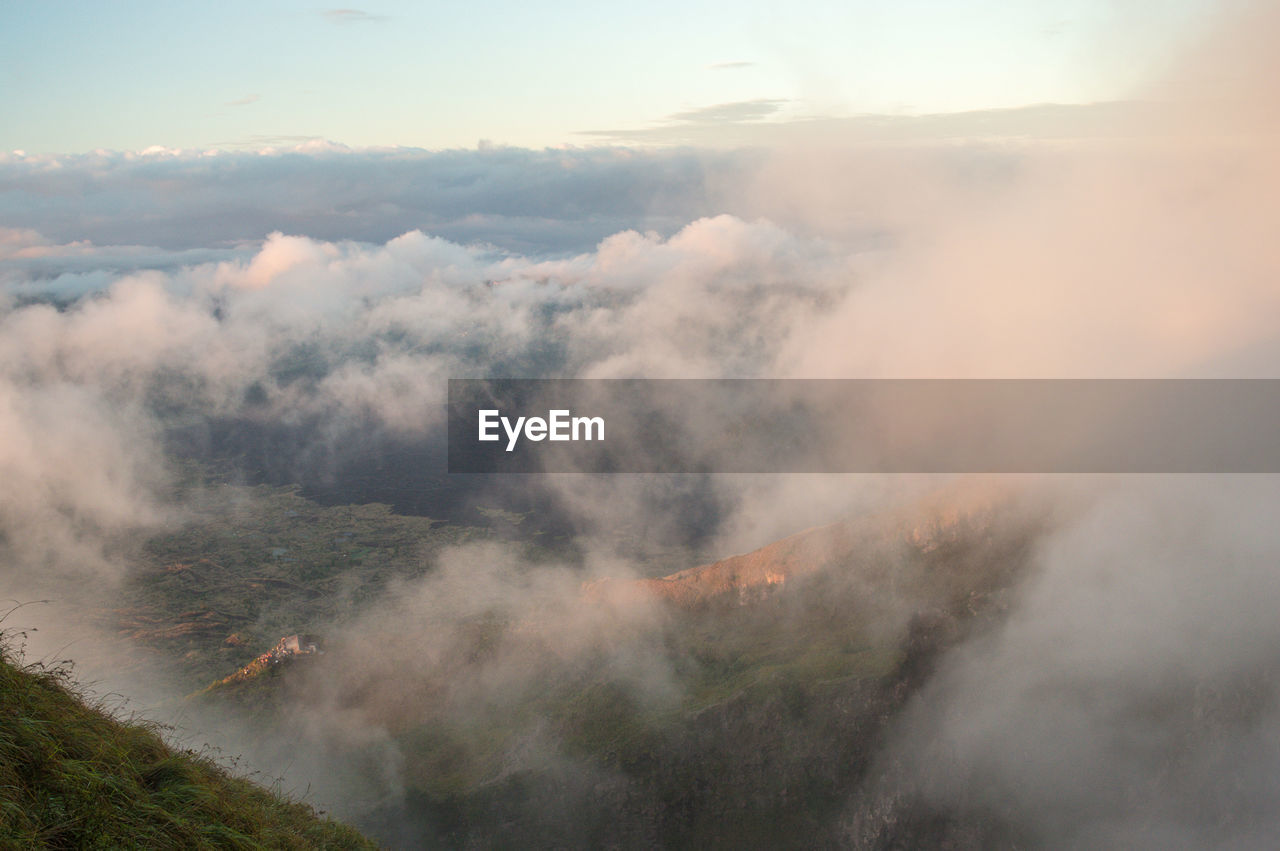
x=352 y=16
x=527 y=201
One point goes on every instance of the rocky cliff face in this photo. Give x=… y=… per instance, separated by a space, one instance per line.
x=287 y=649
x=874 y=546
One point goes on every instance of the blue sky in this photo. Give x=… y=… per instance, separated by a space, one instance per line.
x=75 y=76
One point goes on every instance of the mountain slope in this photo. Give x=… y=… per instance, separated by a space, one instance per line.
x=873 y=546
x=748 y=707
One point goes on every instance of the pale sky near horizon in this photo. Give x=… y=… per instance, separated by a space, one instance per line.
x=76 y=76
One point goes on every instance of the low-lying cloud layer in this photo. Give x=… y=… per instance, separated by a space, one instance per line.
x=520 y=200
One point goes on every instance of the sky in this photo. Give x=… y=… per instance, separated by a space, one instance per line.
x=79 y=76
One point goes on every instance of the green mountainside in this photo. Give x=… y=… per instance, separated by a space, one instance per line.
x=73 y=776
x=748 y=710
x=742 y=702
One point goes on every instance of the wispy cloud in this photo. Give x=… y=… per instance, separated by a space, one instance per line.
x=244 y=101
x=743 y=110
x=351 y=16
x=1055 y=29
x=740 y=123
x=693 y=125
x=266 y=140
x=729 y=66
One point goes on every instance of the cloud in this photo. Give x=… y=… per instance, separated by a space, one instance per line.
x=747 y=110
x=525 y=201
x=262 y=142
x=244 y=101
x=742 y=125
x=352 y=16
x=1129 y=699
x=729 y=66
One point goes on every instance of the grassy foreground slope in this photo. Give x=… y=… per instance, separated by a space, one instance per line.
x=72 y=776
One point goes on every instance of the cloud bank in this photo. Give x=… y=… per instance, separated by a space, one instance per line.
x=524 y=201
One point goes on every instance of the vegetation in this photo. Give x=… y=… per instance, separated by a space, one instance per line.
x=769 y=703
x=73 y=776
x=262 y=562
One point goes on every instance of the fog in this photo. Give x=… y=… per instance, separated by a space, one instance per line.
x=1130 y=698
